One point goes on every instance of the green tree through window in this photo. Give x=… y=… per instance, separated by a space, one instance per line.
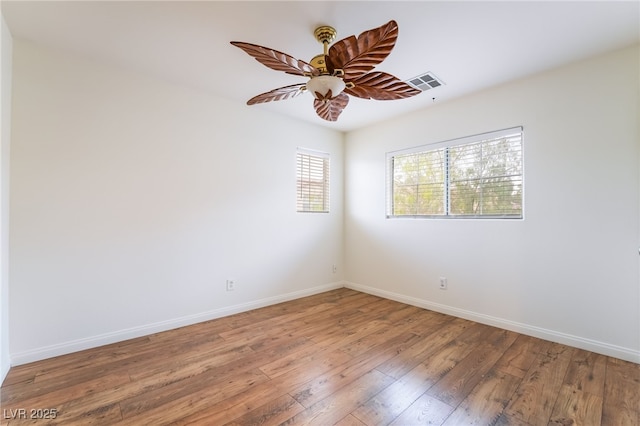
x=479 y=176
x=419 y=183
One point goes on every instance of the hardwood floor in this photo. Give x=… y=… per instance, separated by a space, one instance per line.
x=340 y=357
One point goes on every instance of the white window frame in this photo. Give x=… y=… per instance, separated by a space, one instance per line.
x=305 y=181
x=445 y=145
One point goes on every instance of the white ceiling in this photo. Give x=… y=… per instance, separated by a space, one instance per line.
x=469 y=45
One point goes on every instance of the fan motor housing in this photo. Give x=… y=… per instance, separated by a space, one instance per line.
x=320 y=64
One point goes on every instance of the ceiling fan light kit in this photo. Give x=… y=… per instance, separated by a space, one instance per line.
x=325 y=87
x=343 y=69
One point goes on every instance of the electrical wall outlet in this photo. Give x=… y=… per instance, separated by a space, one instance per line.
x=335 y=268
x=443 y=283
x=231 y=285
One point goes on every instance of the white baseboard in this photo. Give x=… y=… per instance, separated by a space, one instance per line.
x=4 y=369
x=626 y=354
x=131 y=333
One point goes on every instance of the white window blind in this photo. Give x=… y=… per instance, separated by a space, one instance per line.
x=478 y=176
x=313 y=177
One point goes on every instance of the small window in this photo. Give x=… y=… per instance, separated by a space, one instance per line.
x=312 y=181
x=474 y=177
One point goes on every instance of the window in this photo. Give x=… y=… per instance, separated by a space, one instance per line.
x=312 y=181
x=474 y=177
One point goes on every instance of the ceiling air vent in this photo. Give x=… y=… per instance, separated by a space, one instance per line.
x=425 y=81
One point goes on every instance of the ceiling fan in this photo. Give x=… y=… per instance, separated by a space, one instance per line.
x=343 y=69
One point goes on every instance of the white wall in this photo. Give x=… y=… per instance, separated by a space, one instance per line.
x=569 y=271
x=5 y=143
x=132 y=201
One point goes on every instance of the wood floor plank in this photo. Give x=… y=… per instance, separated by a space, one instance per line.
x=575 y=407
x=119 y=357
x=537 y=394
x=273 y=412
x=392 y=401
x=102 y=415
x=70 y=364
x=341 y=335
x=279 y=324
x=370 y=341
x=426 y=410
x=164 y=409
x=430 y=322
x=517 y=360
x=341 y=357
x=350 y=420
x=240 y=403
x=487 y=400
x=171 y=369
x=586 y=372
x=342 y=330
x=460 y=381
x=56 y=396
x=621 y=399
x=341 y=403
x=297 y=360
x=324 y=385
x=429 y=345
x=408 y=323
x=406 y=314
x=506 y=419
x=144 y=388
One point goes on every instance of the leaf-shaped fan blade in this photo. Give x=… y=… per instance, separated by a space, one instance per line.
x=277 y=60
x=381 y=86
x=330 y=109
x=361 y=55
x=278 y=94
